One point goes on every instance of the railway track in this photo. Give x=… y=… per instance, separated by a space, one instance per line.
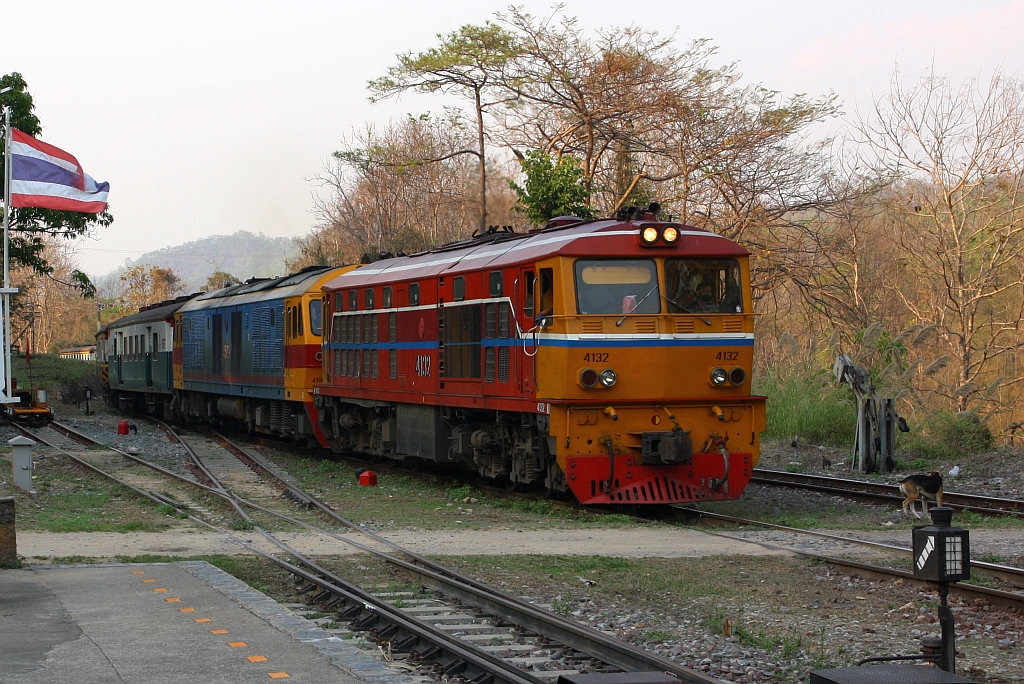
x=888 y=493
x=457 y=626
x=1007 y=574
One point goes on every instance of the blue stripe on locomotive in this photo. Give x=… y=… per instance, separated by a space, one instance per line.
x=235 y=350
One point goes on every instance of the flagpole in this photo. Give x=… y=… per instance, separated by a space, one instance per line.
x=7 y=390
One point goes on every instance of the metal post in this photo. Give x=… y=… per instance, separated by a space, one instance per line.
x=947 y=655
x=5 y=368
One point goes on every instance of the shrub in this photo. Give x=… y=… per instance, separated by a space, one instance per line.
x=950 y=435
x=808 y=405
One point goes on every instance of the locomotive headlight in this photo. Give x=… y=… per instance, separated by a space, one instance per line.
x=649 y=235
x=608 y=377
x=670 y=235
x=737 y=376
x=588 y=377
x=718 y=377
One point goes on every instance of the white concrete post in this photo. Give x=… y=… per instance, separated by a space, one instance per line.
x=22 y=461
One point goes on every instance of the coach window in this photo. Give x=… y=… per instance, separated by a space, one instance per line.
x=316 y=317
x=386 y=298
x=414 y=294
x=459 y=289
x=369 y=299
x=494 y=284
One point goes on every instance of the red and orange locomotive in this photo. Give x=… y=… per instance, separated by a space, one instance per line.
x=610 y=358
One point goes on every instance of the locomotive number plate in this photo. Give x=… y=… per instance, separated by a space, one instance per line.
x=423 y=366
x=596 y=357
x=728 y=356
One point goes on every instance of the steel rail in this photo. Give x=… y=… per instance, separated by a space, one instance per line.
x=995 y=596
x=458 y=657
x=879 y=491
x=583 y=638
x=1007 y=573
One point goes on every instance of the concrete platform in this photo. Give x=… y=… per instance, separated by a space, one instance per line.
x=161 y=623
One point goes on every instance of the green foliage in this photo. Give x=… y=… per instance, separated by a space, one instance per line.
x=552 y=188
x=715 y=622
x=28 y=225
x=466 y=59
x=66 y=377
x=948 y=435
x=807 y=405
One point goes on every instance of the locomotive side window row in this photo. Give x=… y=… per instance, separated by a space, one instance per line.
x=387 y=298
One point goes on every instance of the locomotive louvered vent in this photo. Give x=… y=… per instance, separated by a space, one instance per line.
x=684 y=325
x=646 y=325
x=732 y=325
x=656 y=489
x=592 y=326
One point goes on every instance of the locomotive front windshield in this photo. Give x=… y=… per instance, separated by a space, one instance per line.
x=703 y=286
x=617 y=286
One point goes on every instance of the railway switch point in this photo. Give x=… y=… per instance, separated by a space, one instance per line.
x=368 y=478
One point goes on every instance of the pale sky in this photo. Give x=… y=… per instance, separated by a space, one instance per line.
x=211 y=117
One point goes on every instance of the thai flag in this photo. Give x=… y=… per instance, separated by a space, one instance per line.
x=46 y=177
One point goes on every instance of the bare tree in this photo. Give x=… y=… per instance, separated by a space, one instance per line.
x=50 y=307
x=468 y=62
x=385 y=198
x=957 y=211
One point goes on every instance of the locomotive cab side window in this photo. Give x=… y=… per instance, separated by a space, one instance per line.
x=494 y=284
x=459 y=289
x=703 y=286
x=617 y=286
x=316 y=317
x=547 y=291
x=528 y=300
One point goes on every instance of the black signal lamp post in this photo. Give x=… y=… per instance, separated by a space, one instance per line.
x=87 y=393
x=942 y=554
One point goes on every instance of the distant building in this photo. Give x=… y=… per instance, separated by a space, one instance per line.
x=87 y=352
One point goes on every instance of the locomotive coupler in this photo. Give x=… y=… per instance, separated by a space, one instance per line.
x=720 y=443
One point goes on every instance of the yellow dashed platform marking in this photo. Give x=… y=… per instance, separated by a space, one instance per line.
x=203 y=620
x=147 y=581
x=237 y=644
x=187 y=610
x=160 y=589
x=257 y=659
x=278 y=675
x=173 y=600
x=138 y=572
x=218 y=631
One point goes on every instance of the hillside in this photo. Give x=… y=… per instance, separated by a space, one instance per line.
x=242 y=254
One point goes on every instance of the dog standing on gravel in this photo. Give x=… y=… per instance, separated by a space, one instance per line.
x=921 y=487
